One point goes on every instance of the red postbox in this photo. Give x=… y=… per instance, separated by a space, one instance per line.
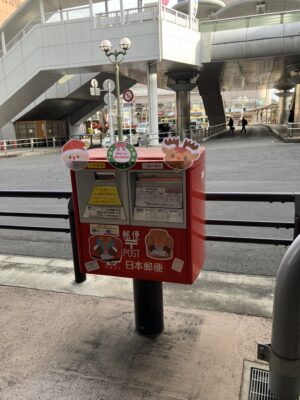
x=146 y=222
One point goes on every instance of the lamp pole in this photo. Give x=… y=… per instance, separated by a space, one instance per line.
x=116 y=57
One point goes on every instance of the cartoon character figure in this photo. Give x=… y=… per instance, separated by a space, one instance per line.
x=105 y=247
x=180 y=156
x=159 y=244
x=75 y=156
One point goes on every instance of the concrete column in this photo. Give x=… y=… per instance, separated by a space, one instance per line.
x=297 y=104
x=183 y=107
x=210 y=90
x=3 y=46
x=182 y=82
x=74 y=130
x=283 y=106
x=60 y=11
x=42 y=11
x=122 y=11
x=91 y=8
x=153 y=104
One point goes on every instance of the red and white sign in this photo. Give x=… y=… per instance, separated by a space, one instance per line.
x=128 y=95
x=165 y=2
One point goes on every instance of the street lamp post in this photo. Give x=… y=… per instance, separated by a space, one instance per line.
x=116 y=57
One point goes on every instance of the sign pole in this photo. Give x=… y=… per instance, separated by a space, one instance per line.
x=130 y=122
x=111 y=128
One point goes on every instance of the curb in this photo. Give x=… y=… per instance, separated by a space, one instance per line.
x=285 y=139
x=31 y=153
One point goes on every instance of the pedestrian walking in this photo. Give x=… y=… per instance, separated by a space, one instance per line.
x=244 y=123
x=230 y=124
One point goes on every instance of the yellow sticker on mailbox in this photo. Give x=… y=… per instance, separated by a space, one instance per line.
x=105 y=196
x=96 y=165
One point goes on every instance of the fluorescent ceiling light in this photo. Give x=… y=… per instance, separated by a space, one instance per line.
x=64 y=79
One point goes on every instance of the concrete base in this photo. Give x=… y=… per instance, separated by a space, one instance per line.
x=65 y=346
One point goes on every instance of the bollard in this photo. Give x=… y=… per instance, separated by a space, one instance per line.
x=54 y=141
x=31 y=144
x=283 y=354
x=79 y=276
x=148 y=307
x=5 y=148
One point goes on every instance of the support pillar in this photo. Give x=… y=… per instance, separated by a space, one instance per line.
x=3 y=46
x=210 y=90
x=42 y=11
x=75 y=130
x=283 y=106
x=297 y=104
x=91 y=8
x=122 y=11
x=153 y=104
x=182 y=82
x=284 y=85
x=60 y=11
x=183 y=107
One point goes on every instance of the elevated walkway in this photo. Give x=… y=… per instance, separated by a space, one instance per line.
x=226 y=54
x=47 y=51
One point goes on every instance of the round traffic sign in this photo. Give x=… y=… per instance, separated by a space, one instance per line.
x=128 y=95
x=109 y=85
x=165 y=2
x=112 y=98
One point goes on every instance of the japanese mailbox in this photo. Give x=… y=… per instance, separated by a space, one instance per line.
x=143 y=222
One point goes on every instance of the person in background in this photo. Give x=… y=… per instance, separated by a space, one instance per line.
x=244 y=123
x=230 y=124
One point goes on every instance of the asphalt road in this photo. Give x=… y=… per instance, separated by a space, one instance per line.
x=252 y=162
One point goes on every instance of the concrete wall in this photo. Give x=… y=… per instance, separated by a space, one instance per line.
x=8 y=131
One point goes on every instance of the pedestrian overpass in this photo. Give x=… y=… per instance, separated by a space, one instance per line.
x=52 y=59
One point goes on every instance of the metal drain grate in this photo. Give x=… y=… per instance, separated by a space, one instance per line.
x=259 y=385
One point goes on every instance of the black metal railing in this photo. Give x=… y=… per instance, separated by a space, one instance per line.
x=37 y=195
x=215 y=197
x=256 y=197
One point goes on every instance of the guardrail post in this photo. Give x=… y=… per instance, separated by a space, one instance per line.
x=79 y=276
x=297 y=215
x=148 y=307
x=5 y=148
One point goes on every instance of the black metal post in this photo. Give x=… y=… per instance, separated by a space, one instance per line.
x=297 y=215
x=148 y=306
x=79 y=276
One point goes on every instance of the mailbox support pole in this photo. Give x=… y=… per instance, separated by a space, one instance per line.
x=283 y=354
x=79 y=276
x=148 y=306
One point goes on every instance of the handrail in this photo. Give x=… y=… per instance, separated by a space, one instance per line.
x=245 y=21
x=293 y=127
x=251 y=16
x=114 y=18
x=36 y=194
x=210 y=196
x=22 y=144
